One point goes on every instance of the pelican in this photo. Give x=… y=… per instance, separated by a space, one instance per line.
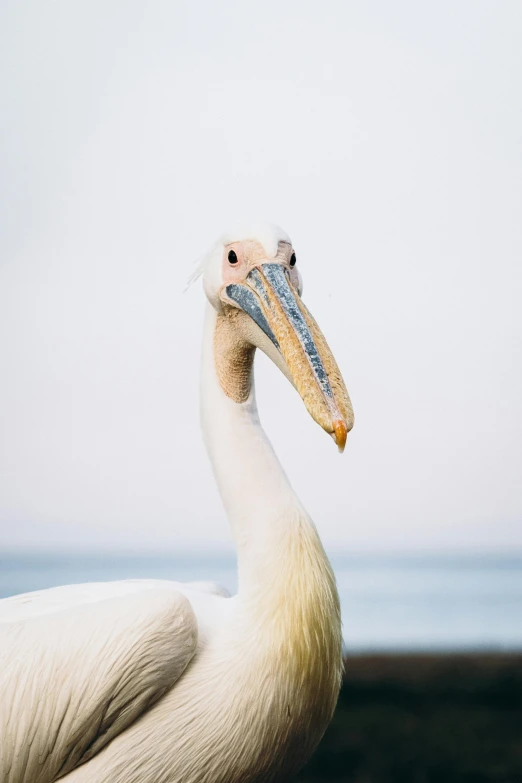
x=152 y=681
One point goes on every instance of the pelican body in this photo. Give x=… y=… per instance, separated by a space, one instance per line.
x=150 y=681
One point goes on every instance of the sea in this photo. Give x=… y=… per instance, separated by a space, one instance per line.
x=392 y=603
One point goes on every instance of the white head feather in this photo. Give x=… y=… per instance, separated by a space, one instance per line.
x=267 y=234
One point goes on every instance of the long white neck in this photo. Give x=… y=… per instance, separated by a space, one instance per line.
x=260 y=503
x=288 y=613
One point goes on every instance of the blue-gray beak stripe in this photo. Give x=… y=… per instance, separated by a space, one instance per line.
x=247 y=301
x=276 y=276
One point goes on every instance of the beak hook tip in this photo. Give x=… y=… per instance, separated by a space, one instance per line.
x=341 y=431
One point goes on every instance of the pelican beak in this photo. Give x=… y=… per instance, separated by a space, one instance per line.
x=291 y=333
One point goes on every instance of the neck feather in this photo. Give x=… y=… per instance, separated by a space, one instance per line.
x=288 y=597
x=265 y=514
x=254 y=489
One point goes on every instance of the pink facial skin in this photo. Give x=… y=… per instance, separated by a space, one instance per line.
x=250 y=254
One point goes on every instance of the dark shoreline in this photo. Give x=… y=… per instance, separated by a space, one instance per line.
x=425 y=718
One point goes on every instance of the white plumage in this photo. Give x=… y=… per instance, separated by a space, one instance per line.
x=149 y=681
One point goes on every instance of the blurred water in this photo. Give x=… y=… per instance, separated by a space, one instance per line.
x=388 y=603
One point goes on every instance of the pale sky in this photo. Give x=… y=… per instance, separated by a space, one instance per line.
x=385 y=138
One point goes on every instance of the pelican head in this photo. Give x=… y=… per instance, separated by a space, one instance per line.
x=251 y=278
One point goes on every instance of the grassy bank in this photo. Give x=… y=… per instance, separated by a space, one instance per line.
x=425 y=719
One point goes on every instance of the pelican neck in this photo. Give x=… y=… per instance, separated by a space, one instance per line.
x=256 y=493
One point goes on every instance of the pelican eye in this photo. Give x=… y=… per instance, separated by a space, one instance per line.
x=232 y=257
x=293 y=259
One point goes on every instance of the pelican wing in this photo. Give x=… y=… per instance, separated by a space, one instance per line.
x=79 y=664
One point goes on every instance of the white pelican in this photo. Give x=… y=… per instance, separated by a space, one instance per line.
x=151 y=681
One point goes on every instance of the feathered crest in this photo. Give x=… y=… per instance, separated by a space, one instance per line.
x=268 y=234
x=197 y=271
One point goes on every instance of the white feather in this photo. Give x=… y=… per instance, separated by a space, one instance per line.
x=267 y=234
x=146 y=681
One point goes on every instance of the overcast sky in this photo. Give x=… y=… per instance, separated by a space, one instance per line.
x=385 y=138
